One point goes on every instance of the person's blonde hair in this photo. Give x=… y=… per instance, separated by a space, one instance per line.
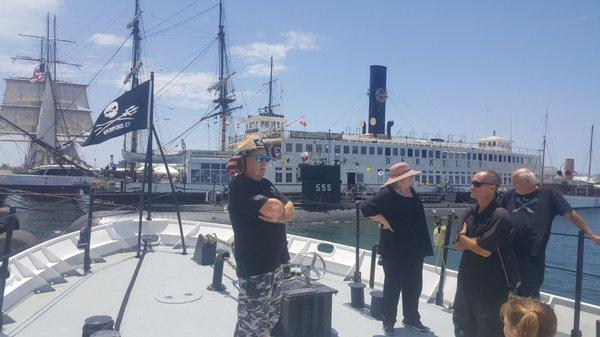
x=529 y=317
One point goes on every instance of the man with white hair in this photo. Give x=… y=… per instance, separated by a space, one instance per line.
x=532 y=210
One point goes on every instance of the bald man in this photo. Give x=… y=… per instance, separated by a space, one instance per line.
x=532 y=210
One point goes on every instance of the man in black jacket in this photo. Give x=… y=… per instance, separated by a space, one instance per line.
x=487 y=266
x=404 y=242
x=258 y=213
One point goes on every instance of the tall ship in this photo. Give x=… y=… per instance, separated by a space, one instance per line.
x=51 y=117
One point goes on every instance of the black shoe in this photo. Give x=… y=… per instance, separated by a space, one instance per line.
x=389 y=330
x=415 y=325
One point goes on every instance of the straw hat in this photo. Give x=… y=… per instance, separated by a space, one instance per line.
x=249 y=144
x=400 y=171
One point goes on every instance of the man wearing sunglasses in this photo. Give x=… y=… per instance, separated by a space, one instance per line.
x=487 y=266
x=258 y=213
x=532 y=211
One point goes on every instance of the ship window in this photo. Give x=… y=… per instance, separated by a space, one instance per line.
x=288 y=168
x=500 y=158
x=319 y=148
x=431 y=179
x=355 y=150
x=479 y=156
x=493 y=143
x=509 y=159
x=205 y=165
x=336 y=148
x=424 y=179
x=359 y=178
x=299 y=147
x=309 y=148
x=195 y=176
x=379 y=151
x=363 y=150
x=438 y=179
x=371 y=150
x=205 y=176
x=437 y=154
x=387 y=152
x=278 y=177
x=468 y=156
x=463 y=180
x=395 y=151
x=346 y=149
x=410 y=152
x=495 y=157
x=215 y=166
x=451 y=179
x=402 y=152
x=451 y=155
x=417 y=153
x=298 y=177
x=278 y=169
x=510 y=180
x=430 y=154
x=424 y=153
x=289 y=147
x=288 y=177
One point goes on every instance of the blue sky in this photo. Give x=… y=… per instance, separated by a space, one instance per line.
x=454 y=67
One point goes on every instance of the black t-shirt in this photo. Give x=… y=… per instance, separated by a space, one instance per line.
x=406 y=217
x=532 y=215
x=260 y=246
x=484 y=277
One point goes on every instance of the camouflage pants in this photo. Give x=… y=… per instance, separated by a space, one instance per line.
x=259 y=304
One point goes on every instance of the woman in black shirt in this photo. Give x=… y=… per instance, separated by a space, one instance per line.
x=404 y=242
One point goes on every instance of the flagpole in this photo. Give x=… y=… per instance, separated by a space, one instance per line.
x=147 y=164
x=149 y=147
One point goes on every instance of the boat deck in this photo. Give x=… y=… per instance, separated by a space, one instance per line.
x=164 y=272
x=168 y=276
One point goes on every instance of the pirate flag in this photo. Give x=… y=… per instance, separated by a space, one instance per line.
x=128 y=112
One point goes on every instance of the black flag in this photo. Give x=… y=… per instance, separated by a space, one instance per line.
x=129 y=112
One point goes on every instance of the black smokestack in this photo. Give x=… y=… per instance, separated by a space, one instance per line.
x=389 y=128
x=377 y=98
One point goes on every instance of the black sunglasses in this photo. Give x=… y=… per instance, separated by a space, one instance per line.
x=478 y=184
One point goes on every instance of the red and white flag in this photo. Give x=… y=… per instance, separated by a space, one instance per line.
x=38 y=74
x=303 y=122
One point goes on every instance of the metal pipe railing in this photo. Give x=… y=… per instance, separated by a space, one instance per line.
x=4 y=273
x=439 y=296
x=576 y=332
x=88 y=235
x=372 y=271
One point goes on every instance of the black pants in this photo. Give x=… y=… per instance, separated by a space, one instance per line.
x=532 y=270
x=402 y=274
x=475 y=317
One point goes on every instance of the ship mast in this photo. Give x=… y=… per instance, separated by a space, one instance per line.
x=133 y=75
x=544 y=148
x=589 y=175
x=268 y=110
x=223 y=100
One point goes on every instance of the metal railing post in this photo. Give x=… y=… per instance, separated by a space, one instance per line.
x=357 y=288
x=88 y=235
x=373 y=259
x=4 y=269
x=576 y=332
x=439 y=296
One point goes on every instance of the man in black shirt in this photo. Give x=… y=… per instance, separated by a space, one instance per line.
x=258 y=213
x=404 y=242
x=487 y=265
x=532 y=210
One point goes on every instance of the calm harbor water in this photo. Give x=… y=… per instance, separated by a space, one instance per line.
x=51 y=218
